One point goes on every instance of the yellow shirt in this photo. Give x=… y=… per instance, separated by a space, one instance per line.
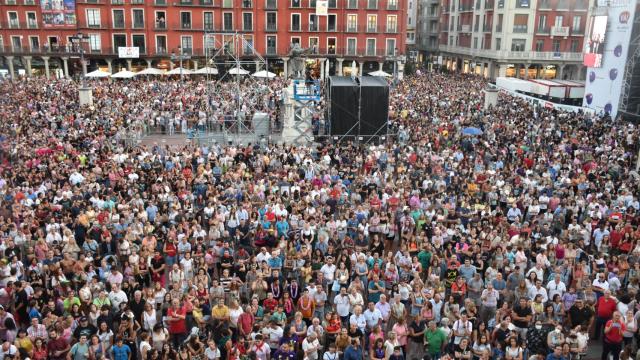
x=24 y=343
x=220 y=312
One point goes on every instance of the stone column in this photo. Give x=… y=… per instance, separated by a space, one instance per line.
x=482 y=69
x=46 y=66
x=380 y=65
x=339 y=66
x=195 y=65
x=12 y=74
x=322 y=72
x=109 y=65
x=27 y=65
x=502 y=70
x=360 y=67
x=400 y=70
x=258 y=65
x=129 y=63
x=526 y=70
x=559 y=71
x=285 y=60
x=148 y=63
x=65 y=66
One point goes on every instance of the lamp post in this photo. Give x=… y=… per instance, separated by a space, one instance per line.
x=85 y=94
x=181 y=56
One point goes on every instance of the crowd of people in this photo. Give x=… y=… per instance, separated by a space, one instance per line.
x=516 y=242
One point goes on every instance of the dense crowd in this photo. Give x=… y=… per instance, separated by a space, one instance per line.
x=519 y=242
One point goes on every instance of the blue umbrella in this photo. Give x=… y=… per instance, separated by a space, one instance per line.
x=471 y=131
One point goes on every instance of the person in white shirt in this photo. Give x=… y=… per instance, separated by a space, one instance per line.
x=538 y=290
x=372 y=316
x=600 y=285
x=310 y=346
x=117 y=297
x=358 y=318
x=328 y=270
x=556 y=287
x=342 y=304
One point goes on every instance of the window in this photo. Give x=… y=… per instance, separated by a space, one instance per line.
x=117 y=2
x=34 y=41
x=312 y=4
x=352 y=4
x=372 y=23
x=372 y=4
x=333 y=4
x=209 y=45
x=93 y=18
x=371 y=47
x=313 y=22
x=272 y=21
x=227 y=3
x=186 y=43
x=475 y=42
x=272 y=4
x=331 y=22
x=29 y=2
x=522 y=3
x=520 y=23
x=391 y=47
x=32 y=21
x=161 y=20
x=498 y=43
x=161 y=44
x=118 y=18
x=94 y=43
x=247 y=21
x=392 y=4
x=16 y=43
x=247 y=4
x=247 y=48
x=313 y=43
x=227 y=21
x=138 y=18
x=574 y=45
x=576 y=23
x=500 y=4
x=331 y=46
x=14 y=23
x=271 y=45
x=542 y=23
x=182 y=2
x=392 y=23
x=475 y=26
x=351 y=46
x=539 y=45
x=296 y=3
x=295 y=40
x=207 y=20
x=295 y=22
x=160 y=2
x=206 y=2
x=499 y=25
x=137 y=2
x=119 y=40
x=352 y=23
x=518 y=44
x=556 y=45
x=559 y=20
x=185 y=20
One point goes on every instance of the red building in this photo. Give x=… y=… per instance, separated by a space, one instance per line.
x=37 y=34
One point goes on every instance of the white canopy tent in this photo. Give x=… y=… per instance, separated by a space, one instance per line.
x=380 y=73
x=264 y=74
x=150 y=71
x=238 y=71
x=207 y=70
x=124 y=74
x=98 y=74
x=178 y=71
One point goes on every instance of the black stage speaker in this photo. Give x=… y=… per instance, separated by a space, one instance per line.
x=342 y=100
x=374 y=102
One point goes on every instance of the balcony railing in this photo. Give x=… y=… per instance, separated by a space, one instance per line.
x=560 y=31
x=520 y=29
x=488 y=4
x=351 y=28
x=29 y=2
x=271 y=28
x=507 y=55
x=137 y=2
x=161 y=25
x=391 y=29
x=14 y=24
x=392 y=5
x=32 y=24
x=544 y=30
x=487 y=28
x=160 y=2
x=372 y=29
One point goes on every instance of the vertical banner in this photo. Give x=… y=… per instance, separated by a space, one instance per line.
x=58 y=13
x=604 y=76
x=322 y=7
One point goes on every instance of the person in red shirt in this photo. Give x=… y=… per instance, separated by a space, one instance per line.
x=605 y=308
x=612 y=343
x=245 y=322
x=177 y=316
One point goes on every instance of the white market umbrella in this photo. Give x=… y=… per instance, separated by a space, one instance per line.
x=354 y=70
x=327 y=66
x=124 y=74
x=207 y=70
x=150 y=71
x=98 y=74
x=263 y=74
x=177 y=71
x=380 y=73
x=238 y=71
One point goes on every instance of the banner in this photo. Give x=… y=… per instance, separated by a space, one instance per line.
x=128 y=52
x=604 y=83
x=322 y=7
x=58 y=13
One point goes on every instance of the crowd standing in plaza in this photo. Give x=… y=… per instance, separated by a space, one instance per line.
x=519 y=242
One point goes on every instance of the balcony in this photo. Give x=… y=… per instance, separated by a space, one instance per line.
x=272 y=51
x=543 y=30
x=465 y=8
x=185 y=26
x=352 y=4
x=161 y=25
x=32 y=24
x=372 y=29
x=247 y=4
x=516 y=56
x=466 y=28
x=560 y=31
x=117 y=2
x=544 y=5
x=137 y=2
x=160 y=2
x=118 y=24
x=488 y=4
x=271 y=28
x=520 y=29
x=351 y=28
x=391 y=29
x=487 y=28
x=392 y=5
x=271 y=5
x=372 y=5
x=30 y=2
x=579 y=31
x=14 y=24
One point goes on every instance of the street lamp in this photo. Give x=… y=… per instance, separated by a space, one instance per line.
x=181 y=56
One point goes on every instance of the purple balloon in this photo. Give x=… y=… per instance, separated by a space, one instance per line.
x=589 y=98
x=613 y=74
x=607 y=108
x=592 y=76
x=617 y=51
